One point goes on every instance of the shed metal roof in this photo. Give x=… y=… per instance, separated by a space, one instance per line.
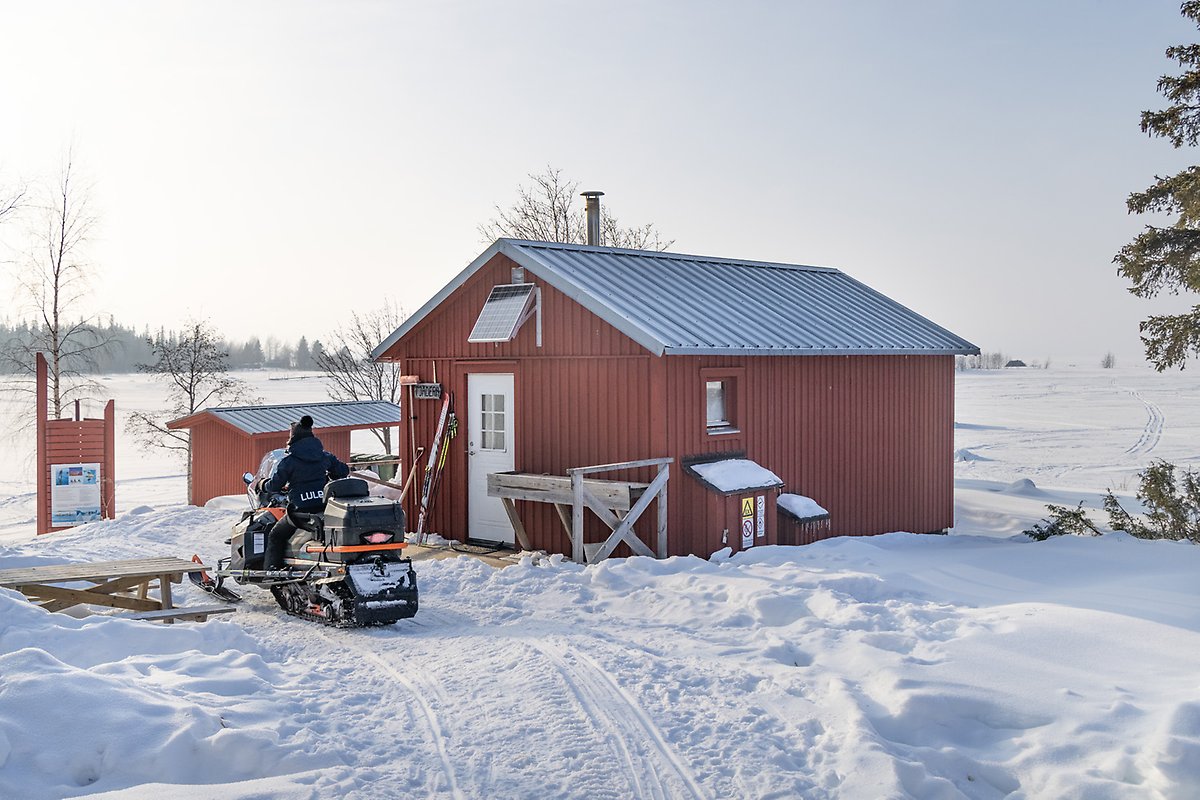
x=675 y=304
x=257 y=420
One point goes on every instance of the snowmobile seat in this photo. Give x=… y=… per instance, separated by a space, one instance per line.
x=347 y=487
x=305 y=520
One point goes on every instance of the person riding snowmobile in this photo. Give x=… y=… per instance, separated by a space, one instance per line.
x=304 y=471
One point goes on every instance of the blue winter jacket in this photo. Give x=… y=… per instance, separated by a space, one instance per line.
x=305 y=470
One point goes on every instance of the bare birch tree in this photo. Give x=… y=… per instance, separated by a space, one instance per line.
x=548 y=211
x=195 y=368
x=353 y=375
x=53 y=279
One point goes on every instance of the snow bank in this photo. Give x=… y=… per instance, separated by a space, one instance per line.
x=100 y=703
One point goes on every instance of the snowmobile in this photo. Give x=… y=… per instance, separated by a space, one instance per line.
x=343 y=566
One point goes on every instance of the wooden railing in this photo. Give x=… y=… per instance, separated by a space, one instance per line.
x=618 y=504
x=622 y=527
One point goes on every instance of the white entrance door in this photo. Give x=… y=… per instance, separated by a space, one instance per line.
x=490 y=415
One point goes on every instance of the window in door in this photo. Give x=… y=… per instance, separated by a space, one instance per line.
x=492 y=424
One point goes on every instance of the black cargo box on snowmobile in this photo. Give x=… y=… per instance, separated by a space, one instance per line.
x=351 y=514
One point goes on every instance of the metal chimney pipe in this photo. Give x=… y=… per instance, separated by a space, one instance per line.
x=593 y=216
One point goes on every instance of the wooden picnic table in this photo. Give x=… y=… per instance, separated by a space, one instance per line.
x=115 y=584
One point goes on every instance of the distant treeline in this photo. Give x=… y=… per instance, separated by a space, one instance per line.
x=124 y=348
x=987 y=360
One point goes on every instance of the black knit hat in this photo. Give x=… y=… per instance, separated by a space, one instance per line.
x=305 y=424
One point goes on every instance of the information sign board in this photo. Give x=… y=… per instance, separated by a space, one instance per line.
x=74 y=494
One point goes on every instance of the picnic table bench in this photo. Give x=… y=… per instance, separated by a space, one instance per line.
x=197 y=613
x=113 y=584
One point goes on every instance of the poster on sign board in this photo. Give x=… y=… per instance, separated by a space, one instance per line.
x=74 y=494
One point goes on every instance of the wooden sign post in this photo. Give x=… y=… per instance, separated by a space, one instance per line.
x=76 y=461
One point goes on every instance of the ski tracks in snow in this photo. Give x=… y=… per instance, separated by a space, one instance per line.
x=1152 y=431
x=655 y=768
x=419 y=695
x=419 y=691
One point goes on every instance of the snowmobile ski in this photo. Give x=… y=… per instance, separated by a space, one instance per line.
x=213 y=586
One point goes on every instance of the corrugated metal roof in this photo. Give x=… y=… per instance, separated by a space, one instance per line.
x=675 y=304
x=690 y=305
x=255 y=420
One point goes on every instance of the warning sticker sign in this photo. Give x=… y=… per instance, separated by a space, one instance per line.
x=747 y=522
x=762 y=515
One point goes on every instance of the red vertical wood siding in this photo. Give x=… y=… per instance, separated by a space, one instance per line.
x=221 y=454
x=868 y=437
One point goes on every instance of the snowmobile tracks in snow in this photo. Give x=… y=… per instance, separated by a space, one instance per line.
x=1152 y=431
x=655 y=768
x=419 y=692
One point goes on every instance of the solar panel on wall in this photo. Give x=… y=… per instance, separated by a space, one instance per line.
x=506 y=308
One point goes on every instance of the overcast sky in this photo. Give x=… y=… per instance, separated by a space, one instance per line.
x=271 y=166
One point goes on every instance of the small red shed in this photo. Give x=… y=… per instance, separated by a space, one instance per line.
x=225 y=442
x=562 y=356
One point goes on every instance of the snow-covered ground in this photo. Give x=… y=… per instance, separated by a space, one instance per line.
x=975 y=665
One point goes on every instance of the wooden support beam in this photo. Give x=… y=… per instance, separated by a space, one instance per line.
x=624 y=531
x=564 y=517
x=557 y=489
x=607 y=517
x=59 y=598
x=164 y=594
x=665 y=469
x=646 y=462
x=577 y=504
x=510 y=508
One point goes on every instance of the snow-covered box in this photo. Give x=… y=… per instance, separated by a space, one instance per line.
x=741 y=495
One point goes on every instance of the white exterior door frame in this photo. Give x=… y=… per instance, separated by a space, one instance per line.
x=491 y=442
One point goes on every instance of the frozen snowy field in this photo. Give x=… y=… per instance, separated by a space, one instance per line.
x=976 y=665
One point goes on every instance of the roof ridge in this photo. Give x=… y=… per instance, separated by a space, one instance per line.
x=295 y=405
x=666 y=255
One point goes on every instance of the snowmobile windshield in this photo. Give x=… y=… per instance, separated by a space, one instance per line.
x=266 y=467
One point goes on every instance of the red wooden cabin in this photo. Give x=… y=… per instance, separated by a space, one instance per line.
x=562 y=356
x=229 y=441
